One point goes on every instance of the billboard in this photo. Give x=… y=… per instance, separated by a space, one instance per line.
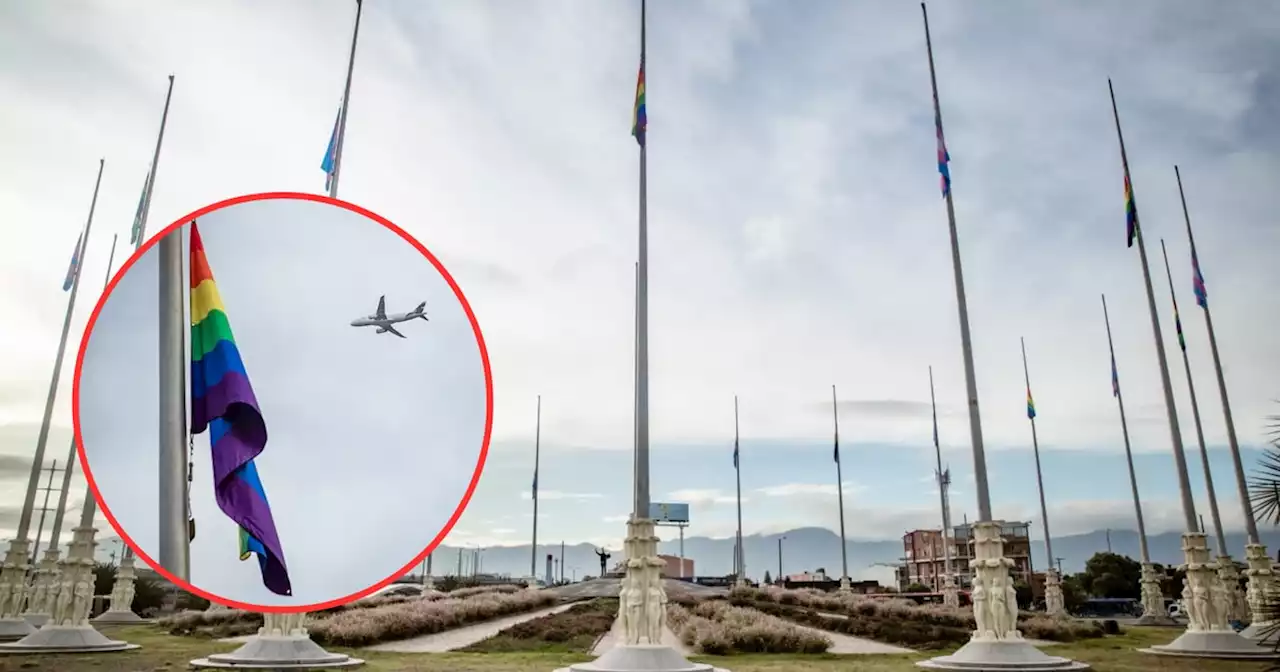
x=665 y=512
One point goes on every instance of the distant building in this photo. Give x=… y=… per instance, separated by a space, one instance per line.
x=677 y=567
x=924 y=561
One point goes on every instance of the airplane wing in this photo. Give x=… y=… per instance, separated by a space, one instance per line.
x=393 y=330
x=381 y=313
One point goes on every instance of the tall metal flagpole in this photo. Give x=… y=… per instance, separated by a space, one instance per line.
x=155 y=168
x=642 y=318
x=174 y=550
x=13 y=577
x=1195 y=411
x=346 y=106
x=38 y=609
x=950 y=592
x=1153 y=609
x=1053 y=600
x=1208 y=632
x=996 y=641
x=844 y=543
x=1261 y=580
x=1227 y=572
x=537 y=451
x=741 y=568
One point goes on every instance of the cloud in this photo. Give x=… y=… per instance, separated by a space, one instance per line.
x=556 y=494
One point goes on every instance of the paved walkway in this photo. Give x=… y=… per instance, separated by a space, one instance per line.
x=458 y=638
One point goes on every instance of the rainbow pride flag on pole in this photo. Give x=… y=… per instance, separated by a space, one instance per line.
x=1031 y=406
x=639 y=115
x=223 y=402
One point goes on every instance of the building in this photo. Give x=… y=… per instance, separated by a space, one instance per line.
x=923 y=559
x=677 y=567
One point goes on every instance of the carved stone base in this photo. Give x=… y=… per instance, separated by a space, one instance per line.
x=1207 y=603
x=1229 y=575
x=996 y=643
x=13 y=593
x=45 y=578
x=845 y=584
x=281 y=643
x=66 y=639
x=1261 y=590
x=642 y=607
x=1154 y=611
x=1054 y=603
x=950 y=592
x=110 y=617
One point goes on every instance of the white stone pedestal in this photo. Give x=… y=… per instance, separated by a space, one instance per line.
x=1055 y=605
x=643 y=611
x=13 y=592
x=950 y=592
x=1208 y=603
x=996 y=643
x=1229 y=575
x=120 y=611
x=845 y=584
x=44 y=580
x=1261 y=590
x=70 y=599
x=282 y=643
x=1154 y=611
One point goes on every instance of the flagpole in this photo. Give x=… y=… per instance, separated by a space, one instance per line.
x=844 y=544
x=174 y=549
x=949 y=590
x=1208 y=634
x=537 y=449
x=346 y=105
x=1261 y=580
x=155 y=168
x=642 y=320
x=994 y=606
x=13 y=580
x=1153 y=608
x=1052 y=590
x=741 y=569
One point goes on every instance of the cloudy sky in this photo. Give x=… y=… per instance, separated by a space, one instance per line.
x=797 y=236
x=372 y=439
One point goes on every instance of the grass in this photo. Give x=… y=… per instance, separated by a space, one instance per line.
x=163 y=652
x=574 y=630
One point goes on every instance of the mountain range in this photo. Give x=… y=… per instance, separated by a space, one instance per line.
x=803 y=549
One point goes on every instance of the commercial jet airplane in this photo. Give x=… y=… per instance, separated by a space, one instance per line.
x=384 y=322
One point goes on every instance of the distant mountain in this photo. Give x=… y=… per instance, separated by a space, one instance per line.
x=810 y=548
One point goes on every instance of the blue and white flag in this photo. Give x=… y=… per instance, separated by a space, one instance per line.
x=331 y=154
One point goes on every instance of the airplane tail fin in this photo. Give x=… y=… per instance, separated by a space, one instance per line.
x=420 y=311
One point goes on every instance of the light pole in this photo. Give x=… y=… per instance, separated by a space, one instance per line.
x=780 y=540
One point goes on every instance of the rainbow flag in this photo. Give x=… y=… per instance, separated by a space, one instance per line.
x=74 y=269
x=1115 y=379
x=639 y=118
x=1177 y=324
x=331 y=153
x=944 y=158
x=223 y=402
x=1031 y=405
x=1197 y=281
x=1130 y=211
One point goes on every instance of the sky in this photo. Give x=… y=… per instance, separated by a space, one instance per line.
x=797 y=237
x=372 y=439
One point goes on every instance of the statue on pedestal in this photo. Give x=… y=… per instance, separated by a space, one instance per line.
x=82 y=603
x=604 y=558
x=62 y=611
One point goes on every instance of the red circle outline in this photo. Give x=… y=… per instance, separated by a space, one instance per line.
x=484 y=359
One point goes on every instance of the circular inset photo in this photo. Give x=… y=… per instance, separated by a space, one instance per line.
x=283 y=402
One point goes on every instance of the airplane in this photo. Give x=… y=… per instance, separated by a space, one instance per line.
x=384 y=322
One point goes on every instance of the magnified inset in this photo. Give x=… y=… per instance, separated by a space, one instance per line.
x=284 y=398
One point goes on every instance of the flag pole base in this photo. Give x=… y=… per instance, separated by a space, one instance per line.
x=37 y=621
x=14 y=629
x=1208 y=603
x=996 y=643
x=66 y=639
x=115 y=617
x=281 y=644
x=641 y=658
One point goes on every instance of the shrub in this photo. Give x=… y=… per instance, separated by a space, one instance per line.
x=574 y=630
x=715 y=627
x=895 y=621
x=411 y=618
x=484 y=590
